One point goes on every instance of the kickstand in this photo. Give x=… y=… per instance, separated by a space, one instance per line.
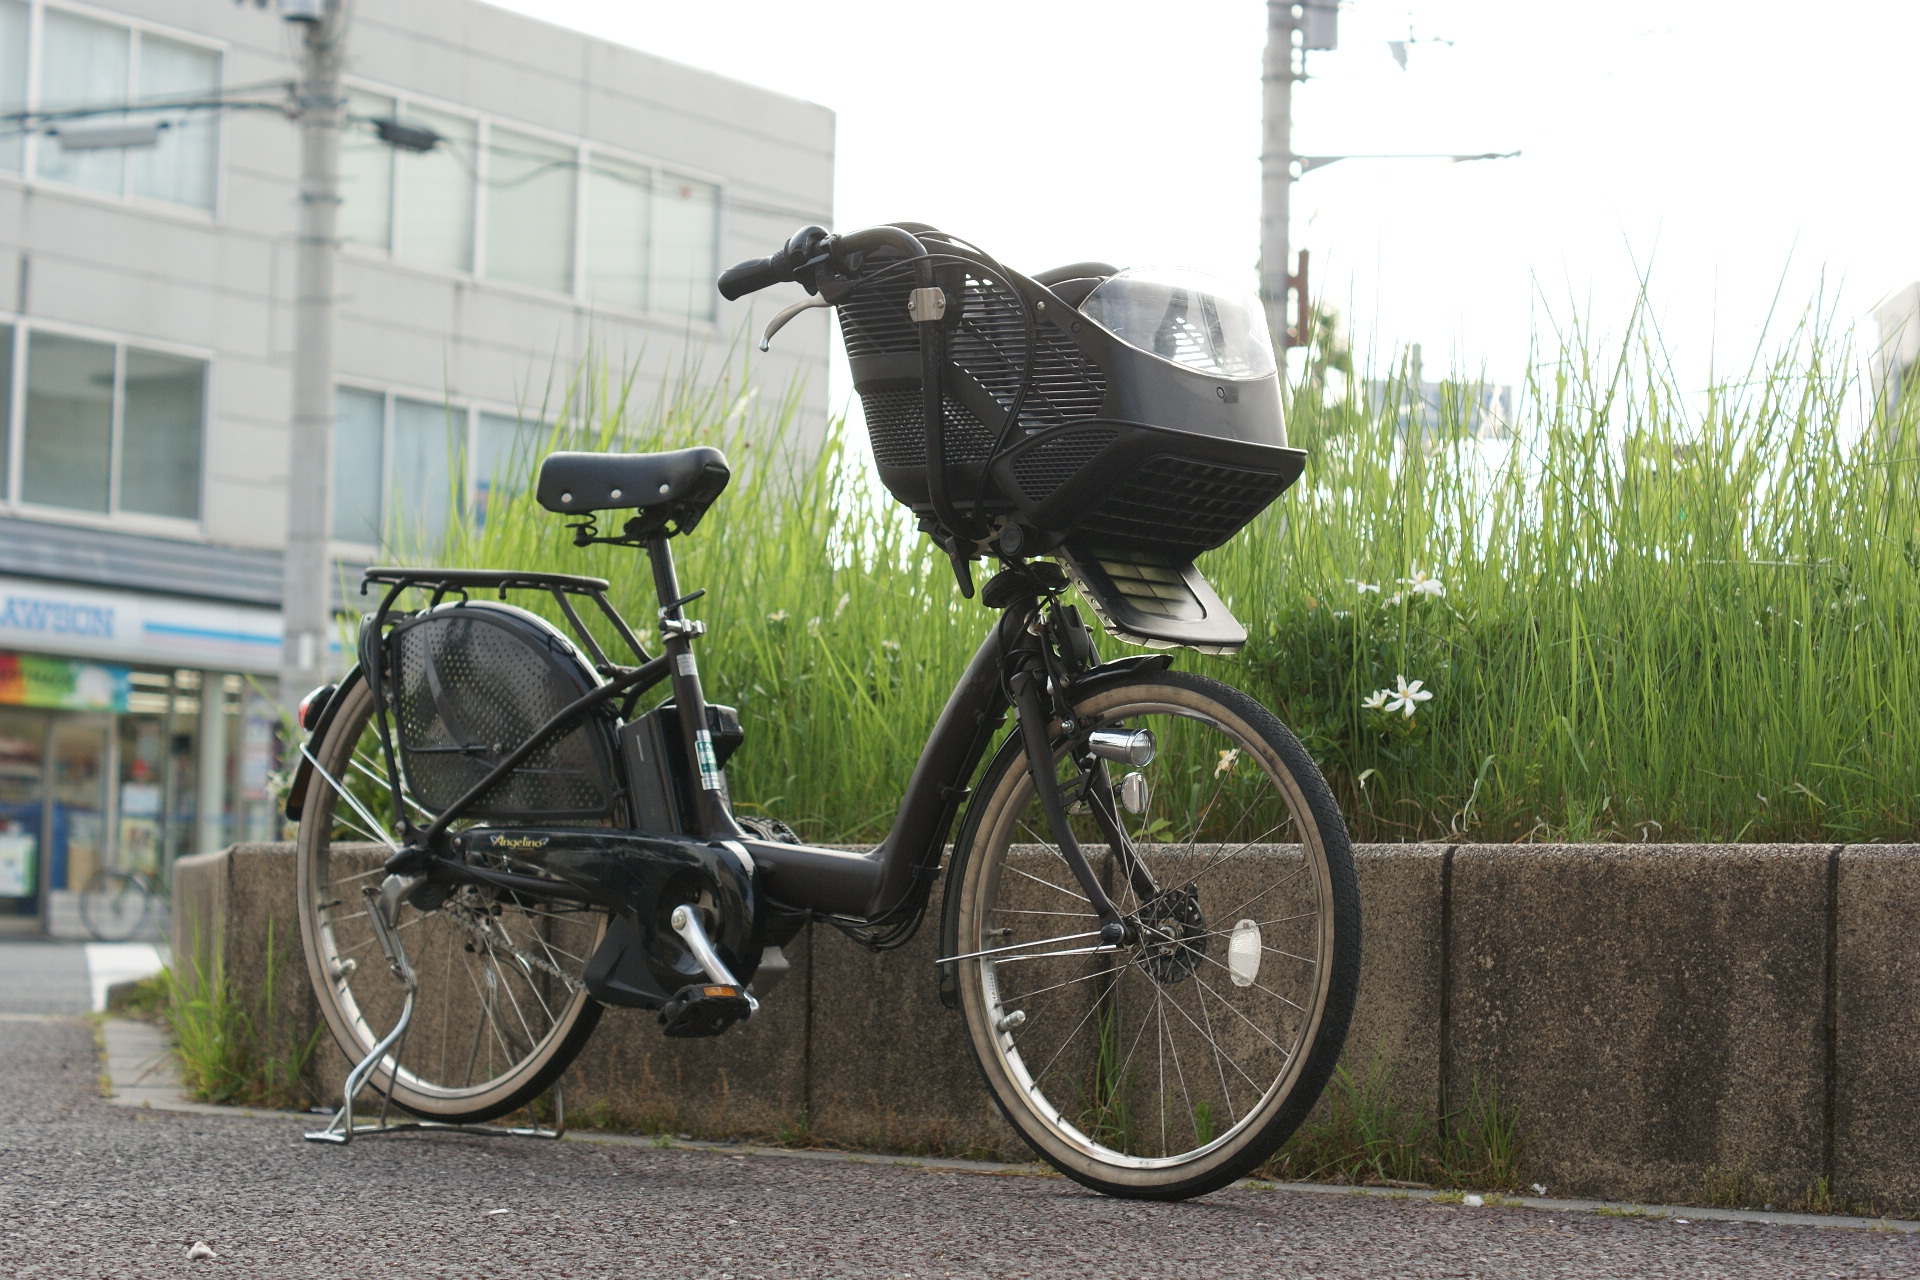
x=381 y=911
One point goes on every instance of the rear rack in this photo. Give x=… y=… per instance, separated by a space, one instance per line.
x=441 y=583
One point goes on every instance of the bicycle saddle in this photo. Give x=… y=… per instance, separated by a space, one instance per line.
x=685 y=479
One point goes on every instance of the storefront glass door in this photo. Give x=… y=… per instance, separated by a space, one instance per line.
x=23 y=738
x=77 y=817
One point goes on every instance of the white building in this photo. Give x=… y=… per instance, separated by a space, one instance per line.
x=582 y=200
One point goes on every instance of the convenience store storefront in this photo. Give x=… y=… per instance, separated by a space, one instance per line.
x=134 y=729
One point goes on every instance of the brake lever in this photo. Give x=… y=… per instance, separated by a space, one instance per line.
x=779 y=322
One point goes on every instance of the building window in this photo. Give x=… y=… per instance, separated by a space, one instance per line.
x=530 y=191
x=111 y=428
x=651 y=236
x=366 y=174
x=85 y=62
x=13 y=78
x=685 y=236
x=433 y=195
x=619 y=232
x=405 y=468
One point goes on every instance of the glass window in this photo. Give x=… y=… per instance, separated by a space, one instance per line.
x=684 y=234
x=366 y=173
x=428 y=446
x=506 y=450
x=82 y=63
x=13 y=76
x=436 y=194
x=160 y=424
x=69 y=427
x=619 y=214
x=530 y=185
x=6 y=393
x=359 y=444
x=180 y=169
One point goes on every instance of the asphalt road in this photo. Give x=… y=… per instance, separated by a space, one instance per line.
x=88 y=1189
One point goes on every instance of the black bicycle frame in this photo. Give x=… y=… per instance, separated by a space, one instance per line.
x=884 y=887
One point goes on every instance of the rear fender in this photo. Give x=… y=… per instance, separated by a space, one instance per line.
x=303 y=772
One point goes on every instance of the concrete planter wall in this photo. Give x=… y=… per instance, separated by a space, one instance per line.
x=1649 y=1012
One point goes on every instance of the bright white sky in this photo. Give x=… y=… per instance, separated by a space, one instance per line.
x=1735 y=150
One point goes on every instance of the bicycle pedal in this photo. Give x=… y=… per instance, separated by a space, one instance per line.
x=704 y=1009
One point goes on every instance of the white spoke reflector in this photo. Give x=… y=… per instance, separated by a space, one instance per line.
x=1243 y=953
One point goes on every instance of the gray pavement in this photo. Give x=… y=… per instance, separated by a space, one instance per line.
x=88 y=1189
x=37 y=976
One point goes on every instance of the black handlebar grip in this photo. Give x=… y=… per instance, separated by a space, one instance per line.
x=754 y=274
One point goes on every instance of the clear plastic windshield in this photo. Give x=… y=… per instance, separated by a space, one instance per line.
x=1190 y=318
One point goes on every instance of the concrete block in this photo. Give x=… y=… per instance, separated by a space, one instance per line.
x=200 y=909
x=1396 y=1019
x=750 y=1081
x=1646 y=1013
x=1876 y=1144
x=890 y=1065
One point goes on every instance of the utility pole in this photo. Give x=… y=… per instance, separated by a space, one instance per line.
x=306 y=590
x=1276 y=167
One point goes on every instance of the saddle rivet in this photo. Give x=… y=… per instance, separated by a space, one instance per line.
x=663 y=488
x=566 y=497
x=616 y=495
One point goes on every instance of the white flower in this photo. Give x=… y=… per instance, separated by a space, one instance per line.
x=1420 y=584
x=1377 y=700
x=1361 y=588
x=890 y=644
x=813 y=625
x=778 y=615
x=1227 y=760
x=1539 y=1188
x=1406 y=696
x=841 y=608
x=1473 y=1202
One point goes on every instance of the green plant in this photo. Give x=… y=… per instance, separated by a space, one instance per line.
x=1480 y=1142
x=1360 y=1134
x=1363 y=1134
x=1644 y=612
x=229 y=1052
x=1107 y=1093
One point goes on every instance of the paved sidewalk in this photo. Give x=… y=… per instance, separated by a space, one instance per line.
x=90 y=1189
x=47 y=976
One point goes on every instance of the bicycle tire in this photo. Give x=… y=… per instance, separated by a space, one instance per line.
x=115 y=905
x=465 y=950
x=1047 y=1024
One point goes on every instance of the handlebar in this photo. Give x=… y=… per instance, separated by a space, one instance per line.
x=754 y=275
x=812 y=247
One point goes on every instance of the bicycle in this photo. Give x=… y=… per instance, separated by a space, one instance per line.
x=116 y=905
x=1155 y=969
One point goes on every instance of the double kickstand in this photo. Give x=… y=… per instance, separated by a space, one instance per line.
x=381 y=911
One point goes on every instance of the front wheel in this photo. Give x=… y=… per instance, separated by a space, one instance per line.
x=1177 y=1063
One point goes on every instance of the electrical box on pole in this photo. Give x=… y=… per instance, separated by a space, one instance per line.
x=1320 y=25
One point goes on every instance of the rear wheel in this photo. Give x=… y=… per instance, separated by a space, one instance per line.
x=501 y=1009
x=1173 y=1065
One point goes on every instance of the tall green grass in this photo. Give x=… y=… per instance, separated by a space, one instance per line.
x=1649 y=615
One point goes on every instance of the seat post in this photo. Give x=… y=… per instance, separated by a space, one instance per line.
x=676 y=637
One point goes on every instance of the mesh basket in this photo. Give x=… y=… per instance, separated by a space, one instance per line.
x=986 y=353
x=1111 y=444
x=471 y=683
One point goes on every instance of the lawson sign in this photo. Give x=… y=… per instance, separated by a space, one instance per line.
x=129 y=627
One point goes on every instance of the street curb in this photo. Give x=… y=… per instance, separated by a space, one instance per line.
x=140 y=1074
